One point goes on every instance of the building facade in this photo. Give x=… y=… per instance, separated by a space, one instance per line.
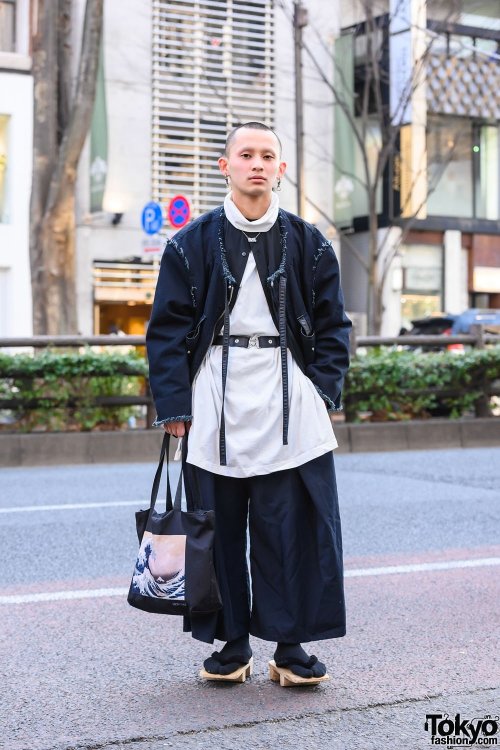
x=173 y=79
x=438 y=200
x=176 y=75
x=177 y=78
x=114 y=289
x=16 y=146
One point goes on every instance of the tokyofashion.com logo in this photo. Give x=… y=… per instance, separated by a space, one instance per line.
x=458 y=732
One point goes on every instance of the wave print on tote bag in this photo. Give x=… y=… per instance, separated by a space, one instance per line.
x=160 y=569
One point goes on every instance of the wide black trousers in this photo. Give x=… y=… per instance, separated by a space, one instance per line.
x=296 y=593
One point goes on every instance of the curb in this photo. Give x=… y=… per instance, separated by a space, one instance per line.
x=58 y=448
x=418 y=435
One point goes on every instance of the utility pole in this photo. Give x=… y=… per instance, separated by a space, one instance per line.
x=299 y=21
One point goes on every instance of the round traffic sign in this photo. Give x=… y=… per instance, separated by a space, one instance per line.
x=152 y=217
x=179 y=211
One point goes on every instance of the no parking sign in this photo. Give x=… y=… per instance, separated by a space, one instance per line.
x=178 y=211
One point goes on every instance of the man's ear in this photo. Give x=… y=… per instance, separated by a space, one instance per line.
x=282 y=169
x=222 y=162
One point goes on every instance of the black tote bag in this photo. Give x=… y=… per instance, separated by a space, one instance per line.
x=174 y=572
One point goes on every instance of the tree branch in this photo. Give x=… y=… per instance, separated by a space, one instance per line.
x=329 y=219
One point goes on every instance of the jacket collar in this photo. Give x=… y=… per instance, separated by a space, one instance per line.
x=281 y=262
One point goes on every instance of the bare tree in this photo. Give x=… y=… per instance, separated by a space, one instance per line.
x=61 y=123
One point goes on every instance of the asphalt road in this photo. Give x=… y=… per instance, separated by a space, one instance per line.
x=79 y=668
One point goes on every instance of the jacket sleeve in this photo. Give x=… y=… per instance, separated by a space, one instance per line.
x=171 y=320
x=332 y=327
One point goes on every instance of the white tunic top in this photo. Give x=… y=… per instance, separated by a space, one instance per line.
x=253 y=406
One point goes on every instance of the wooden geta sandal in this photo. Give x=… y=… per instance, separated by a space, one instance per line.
x=287 y=678
x=239 y=675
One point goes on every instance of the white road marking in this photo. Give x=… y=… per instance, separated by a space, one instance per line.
x=55 y=596
x=422 y=567
x=73 y=506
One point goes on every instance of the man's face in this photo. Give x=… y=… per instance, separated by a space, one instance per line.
x=253 y=163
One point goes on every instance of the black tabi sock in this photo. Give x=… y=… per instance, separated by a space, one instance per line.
x=233 y=655
x=293 y=657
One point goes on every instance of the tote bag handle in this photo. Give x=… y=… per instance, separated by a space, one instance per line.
x=192 y=491
x=156 y=482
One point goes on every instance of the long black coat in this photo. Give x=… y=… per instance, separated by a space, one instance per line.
x=195 y=274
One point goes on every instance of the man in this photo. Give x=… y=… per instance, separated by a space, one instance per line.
x=248 y=348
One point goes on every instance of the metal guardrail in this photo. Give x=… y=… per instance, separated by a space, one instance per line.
x=77 y=342
x=477 y=339
x=39 y=342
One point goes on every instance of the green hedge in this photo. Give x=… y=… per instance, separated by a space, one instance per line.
x=46 y=382
x=392 y=385
x=381 y=385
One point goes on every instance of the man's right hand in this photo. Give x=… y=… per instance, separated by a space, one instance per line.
x=177 y=429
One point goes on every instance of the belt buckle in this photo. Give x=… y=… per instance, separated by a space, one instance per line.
x=254 y=341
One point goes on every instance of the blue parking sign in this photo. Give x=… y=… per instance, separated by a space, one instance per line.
x=152 y=218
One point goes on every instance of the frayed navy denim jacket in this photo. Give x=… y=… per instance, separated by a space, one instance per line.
x=197 y=272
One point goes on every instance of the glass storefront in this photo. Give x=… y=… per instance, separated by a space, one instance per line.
x=463 y=168
x=449 y=166
x=422 y=292
x=487 y=188
x=123 y=295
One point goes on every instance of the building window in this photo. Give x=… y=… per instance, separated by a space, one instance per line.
x=463 y=162
x=449 y=166
x=482 y=14
x=422 y=282
x=4 y=122
x=373 y=146
x=487 y=168
x=7 y=26
x=212 y=69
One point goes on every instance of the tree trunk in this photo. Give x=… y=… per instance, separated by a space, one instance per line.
x=57 y=240
x=44 y=51
x=60 y=130
x=377 y=307
x=372 y=311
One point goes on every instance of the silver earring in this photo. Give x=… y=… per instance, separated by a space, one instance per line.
x=278 y=186
x=226 y=177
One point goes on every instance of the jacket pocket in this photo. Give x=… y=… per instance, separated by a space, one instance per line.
x=307 y=338
x=305 y=325
x=192 y=336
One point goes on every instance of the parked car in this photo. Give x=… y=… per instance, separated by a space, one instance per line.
x=449 y=324
x=437 y=324
x=432 y=325
x=489 y=319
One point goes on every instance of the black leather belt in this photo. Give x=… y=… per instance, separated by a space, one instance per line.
x=260 y=342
